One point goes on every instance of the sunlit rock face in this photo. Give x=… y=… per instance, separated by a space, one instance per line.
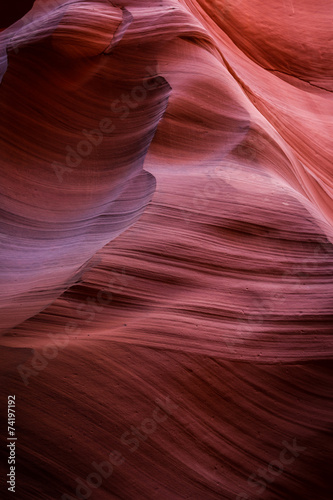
x=74 y=176
x=166 y=248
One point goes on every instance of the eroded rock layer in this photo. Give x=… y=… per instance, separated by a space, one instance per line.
x=167 y=248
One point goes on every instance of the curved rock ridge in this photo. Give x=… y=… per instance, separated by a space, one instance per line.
x=167 y=248
x=279 y=36
x=72 y=162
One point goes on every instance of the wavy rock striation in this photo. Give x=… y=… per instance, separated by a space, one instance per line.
x=187 y=355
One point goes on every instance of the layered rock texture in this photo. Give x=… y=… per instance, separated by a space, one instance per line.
x=166 y=248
